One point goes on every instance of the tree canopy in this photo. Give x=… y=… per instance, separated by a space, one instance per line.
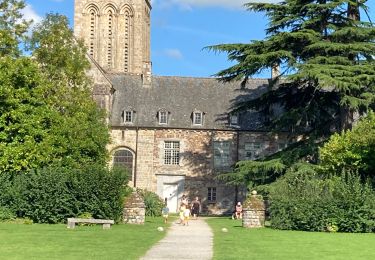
x=12 y=26
x=325 y=53
x=47 y=114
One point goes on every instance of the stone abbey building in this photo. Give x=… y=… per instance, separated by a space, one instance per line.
x=174 y=134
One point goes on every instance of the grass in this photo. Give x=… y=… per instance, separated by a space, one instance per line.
x=265 y=243
x=19 y=241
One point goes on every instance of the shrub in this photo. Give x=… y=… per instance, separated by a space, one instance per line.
x=154 y=204
x=11 y=187
x=85 y=215
x=351 y=151
x=303 y=201
x=51 y=195
x=6 y=214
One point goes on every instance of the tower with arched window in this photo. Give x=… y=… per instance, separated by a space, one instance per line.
x=116 y=33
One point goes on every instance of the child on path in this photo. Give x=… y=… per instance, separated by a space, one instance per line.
x=186 y=216
x=165 y=213
x=182 y=216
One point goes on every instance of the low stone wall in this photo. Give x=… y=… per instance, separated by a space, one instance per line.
x=134 y=210
x=254 y=212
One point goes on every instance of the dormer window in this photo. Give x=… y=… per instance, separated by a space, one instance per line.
x=128 y=116
x=234 y=119
x=197 y=118
x=163 y=117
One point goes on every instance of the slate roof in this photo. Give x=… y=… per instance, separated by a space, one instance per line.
x=180 y=96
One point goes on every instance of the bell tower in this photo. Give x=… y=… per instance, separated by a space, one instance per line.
x=116 y=33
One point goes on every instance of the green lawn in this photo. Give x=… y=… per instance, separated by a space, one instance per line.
x=19 y=241
x=266 y=243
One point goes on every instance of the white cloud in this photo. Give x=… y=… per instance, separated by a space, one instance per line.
x=173 y=53
x=30 y=14
x=189 y=4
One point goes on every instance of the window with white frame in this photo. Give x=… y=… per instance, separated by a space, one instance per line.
x=221 y=154
x=171 y=152
x=211 y=194
x=128 y=116
x=163 y=117
x=197 y=118
x=234 y=119
x=253 y=150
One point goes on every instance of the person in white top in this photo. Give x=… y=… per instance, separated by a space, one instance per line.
x=186 y=216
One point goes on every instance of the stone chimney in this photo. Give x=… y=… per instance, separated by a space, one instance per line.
x=146 y=74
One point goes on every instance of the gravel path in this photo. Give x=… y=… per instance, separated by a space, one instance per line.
x=184 y=242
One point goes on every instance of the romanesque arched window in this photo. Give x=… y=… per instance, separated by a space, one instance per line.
x=127 y=40
x=123 y=158
x=110 y=24
x=93 y=20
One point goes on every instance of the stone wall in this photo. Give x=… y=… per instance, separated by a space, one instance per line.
x=134 y=210
x=196 y=171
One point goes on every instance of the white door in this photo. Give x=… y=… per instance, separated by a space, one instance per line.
x=170 y=192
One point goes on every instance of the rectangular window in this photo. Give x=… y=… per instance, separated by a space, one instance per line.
x=198 y=118
x=211 y=194
x=171 y=152
x=253 y=150
x=221 y=154
x=128 y=117
x=163 y=117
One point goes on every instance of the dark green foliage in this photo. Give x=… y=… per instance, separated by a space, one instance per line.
x=303 y=201
x=254 y=173
x=258 y=174
x=154 y=204
x=11 y=195
x=47 y=197
x=327 y=74
x=51 y=195
x=326 y=57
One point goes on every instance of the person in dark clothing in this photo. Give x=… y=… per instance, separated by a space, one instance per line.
x=195 y=207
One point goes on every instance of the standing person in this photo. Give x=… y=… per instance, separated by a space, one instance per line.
x=165 y=211
x=181 y=213
x=195 y=207
x=186 y=216
x=184 y=200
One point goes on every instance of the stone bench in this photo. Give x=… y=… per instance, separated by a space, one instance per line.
x=106 y=222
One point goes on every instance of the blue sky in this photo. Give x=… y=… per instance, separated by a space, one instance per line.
x=181 y=28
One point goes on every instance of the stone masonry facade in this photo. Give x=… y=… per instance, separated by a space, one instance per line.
x=197 y=164
x=178 y=156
